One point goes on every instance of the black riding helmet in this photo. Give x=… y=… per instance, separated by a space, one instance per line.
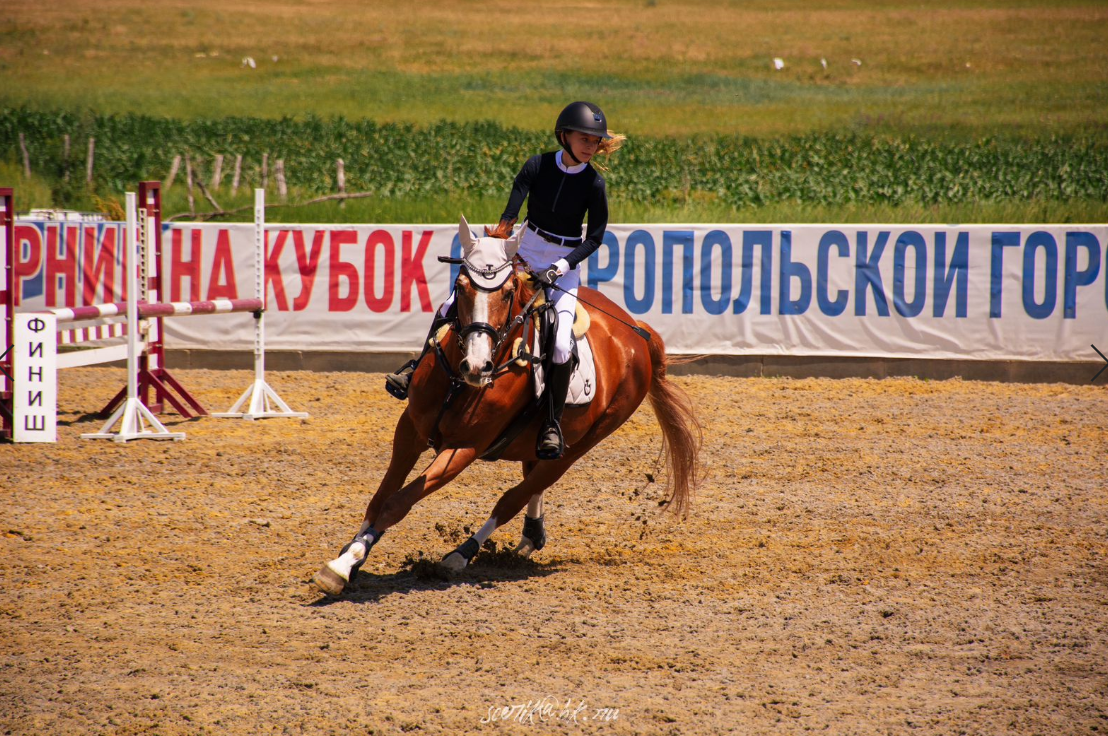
x=584 y=117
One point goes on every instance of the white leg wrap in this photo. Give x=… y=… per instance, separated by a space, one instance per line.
x=341 y=565
x=486 y=531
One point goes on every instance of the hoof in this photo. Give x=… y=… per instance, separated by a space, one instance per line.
x=525 y=548
x=329 y=581
x=454 y=563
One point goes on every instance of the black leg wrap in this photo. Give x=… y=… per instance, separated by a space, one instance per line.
x=369 y=538
x=535 y=530
x=468 y=549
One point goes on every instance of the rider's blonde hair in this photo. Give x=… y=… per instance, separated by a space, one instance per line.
x=607 y=147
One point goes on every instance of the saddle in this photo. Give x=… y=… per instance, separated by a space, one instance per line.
x=582 y=383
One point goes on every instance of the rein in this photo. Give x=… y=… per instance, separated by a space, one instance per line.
x=498 y=337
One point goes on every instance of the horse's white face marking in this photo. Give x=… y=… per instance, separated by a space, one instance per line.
x=478 y=345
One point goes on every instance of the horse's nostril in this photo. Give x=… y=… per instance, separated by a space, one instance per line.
x=464 y=365
x=487 y=368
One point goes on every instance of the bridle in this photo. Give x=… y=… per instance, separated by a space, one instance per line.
x=498 y=336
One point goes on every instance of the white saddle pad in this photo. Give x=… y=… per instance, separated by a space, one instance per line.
x=582 y=384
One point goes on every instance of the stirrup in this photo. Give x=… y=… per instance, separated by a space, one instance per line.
x=397 y=383
x=545 y=450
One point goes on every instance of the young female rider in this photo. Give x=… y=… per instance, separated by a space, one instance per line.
x=560 y=187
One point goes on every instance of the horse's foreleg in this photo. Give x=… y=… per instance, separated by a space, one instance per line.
x=529 y=492
x=407 y=446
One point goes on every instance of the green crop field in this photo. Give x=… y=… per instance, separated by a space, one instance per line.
x=944 y=111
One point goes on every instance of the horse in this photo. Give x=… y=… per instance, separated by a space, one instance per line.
x=470 y=396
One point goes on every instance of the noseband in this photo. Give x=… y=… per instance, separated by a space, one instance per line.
x=498 y=336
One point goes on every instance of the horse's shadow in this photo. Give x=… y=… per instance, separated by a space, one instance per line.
x=418 y=574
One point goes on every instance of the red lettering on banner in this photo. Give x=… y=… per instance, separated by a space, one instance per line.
x=308 y=265
x=31 y=237
x=273 y=273
x=411 y=272
x=180 y=268
x=384 y=239
x=342 y=270
x=60 y=261
x=222 y=283
x=98 y=265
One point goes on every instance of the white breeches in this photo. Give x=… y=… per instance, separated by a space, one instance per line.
x=540 y=254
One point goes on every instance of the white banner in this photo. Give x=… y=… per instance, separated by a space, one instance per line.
x=1000 y=292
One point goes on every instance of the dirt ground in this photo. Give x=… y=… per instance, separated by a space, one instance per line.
x=865 y=557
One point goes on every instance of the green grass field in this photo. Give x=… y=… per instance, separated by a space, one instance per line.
x=945 y=72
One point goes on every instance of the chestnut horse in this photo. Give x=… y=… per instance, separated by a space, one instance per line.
x=467 y=391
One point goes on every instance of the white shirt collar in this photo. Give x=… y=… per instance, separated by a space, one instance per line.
x=569 y=169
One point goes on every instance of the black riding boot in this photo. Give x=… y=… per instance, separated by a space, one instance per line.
x=397 y=383
x=551 y=446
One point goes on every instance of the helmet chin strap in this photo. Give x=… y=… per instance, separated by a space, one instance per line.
x=567 y=149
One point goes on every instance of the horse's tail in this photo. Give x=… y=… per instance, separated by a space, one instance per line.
x=682 y=434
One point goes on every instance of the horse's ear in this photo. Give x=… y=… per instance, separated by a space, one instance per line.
x=465 y=236
x=511 y=245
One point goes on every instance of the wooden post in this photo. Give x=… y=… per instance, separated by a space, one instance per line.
x=26 y=157
x=65 y=157
x=217 y=175
x=340 y=179
x=91 y=156
x=173 y=168
x=282 y=186
x=238 y=170
x=188 y=181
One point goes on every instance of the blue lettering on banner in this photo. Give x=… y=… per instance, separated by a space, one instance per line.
x=1075 y=278
x=1034 y=242
x=1000 y=241
x=712 y=240
x=905 y=308
x=867 y=274
x=598 y=275
x=830 y=239
x=789 y=271
x=751 y=238
x=635 y=304
x=945 y=277
x=670 y=240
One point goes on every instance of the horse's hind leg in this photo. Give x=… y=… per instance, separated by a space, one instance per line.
x=528 y=492
x=534 y=532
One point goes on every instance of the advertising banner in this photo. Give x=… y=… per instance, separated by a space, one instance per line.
x=1003 y=292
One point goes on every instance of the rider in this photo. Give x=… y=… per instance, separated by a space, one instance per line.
x=560 y=187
